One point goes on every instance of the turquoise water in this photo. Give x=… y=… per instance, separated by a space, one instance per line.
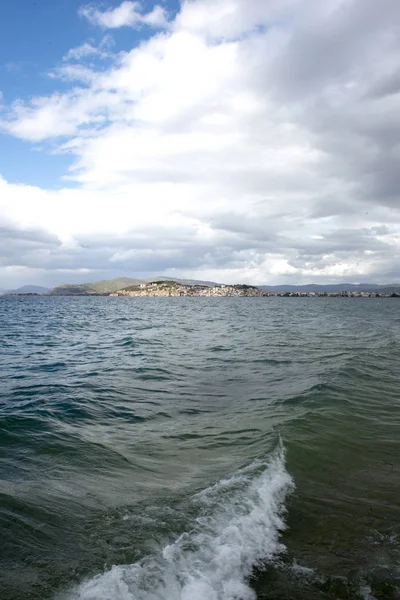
x=199 y=448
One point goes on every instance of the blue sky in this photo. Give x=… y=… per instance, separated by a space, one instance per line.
x=34 y=37
x=240 y=141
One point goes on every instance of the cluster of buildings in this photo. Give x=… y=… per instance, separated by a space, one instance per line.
x=170 y=288
x=174 y=288
x=351 y=294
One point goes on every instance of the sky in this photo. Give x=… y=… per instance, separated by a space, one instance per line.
x=251 y=141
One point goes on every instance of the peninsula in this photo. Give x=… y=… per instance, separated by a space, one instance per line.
x=172 y=288
x=165 y=286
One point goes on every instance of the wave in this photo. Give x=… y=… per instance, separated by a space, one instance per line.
x=238 y=529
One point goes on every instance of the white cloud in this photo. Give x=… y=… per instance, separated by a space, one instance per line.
x=203 y=151
x=80 y=52
x=229 y=20
x=87 y=49
x=128 y=14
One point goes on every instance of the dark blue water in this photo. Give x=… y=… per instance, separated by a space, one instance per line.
x=199 y=448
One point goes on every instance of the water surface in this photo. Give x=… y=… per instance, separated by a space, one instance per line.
x=199 y=448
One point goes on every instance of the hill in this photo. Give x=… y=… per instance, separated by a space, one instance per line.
x=28 y=289
x=109 y=286
x=104 y=286
x=181 y=281
x=172 y=288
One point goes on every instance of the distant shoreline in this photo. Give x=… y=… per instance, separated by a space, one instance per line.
x=164 y=286
x=211 y=295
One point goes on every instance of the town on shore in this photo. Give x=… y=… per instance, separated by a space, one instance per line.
x=125 y=287
x=171 y=288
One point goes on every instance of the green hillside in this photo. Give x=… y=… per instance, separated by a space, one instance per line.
x=164 y=283
x=181 y=281
x=105 y=286
x=108 y=286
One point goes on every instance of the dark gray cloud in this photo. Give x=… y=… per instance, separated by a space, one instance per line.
x=340 y=72
x=23 y=247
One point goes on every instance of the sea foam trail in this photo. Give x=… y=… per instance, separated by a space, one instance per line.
x=240 y=526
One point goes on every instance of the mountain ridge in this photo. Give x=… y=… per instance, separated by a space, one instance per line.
x=104 y=286
x=27 y=289
x=107 y=286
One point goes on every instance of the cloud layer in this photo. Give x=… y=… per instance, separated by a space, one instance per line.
x=245 y=140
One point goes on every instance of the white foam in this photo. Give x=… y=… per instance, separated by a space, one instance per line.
x=366 y=592
x=303 y=571
x=239 y=528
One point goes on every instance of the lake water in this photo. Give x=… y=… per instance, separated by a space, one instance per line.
x=199 y=448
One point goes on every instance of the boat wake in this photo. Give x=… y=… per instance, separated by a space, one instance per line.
x=238 y=529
